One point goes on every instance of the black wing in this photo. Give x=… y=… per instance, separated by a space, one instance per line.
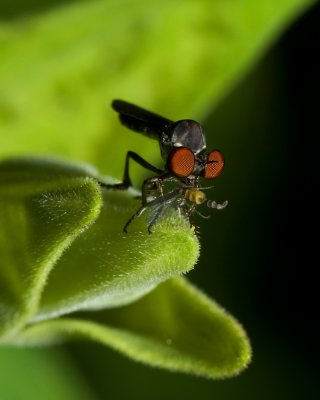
x=140 y=120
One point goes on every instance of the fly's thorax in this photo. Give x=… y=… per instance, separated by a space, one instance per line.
x=188 y=133
x=183 y=133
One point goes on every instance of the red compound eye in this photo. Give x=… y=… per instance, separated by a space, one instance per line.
x=181 y=162
x=215 y=164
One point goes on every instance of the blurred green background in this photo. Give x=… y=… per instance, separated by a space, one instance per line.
x=258 y=257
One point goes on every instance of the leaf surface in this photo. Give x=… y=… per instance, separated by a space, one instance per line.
x=175 y=327
x=45 y=207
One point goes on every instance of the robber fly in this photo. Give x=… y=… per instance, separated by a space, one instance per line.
x=183 y=148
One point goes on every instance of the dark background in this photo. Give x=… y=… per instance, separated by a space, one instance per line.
x=259 y=256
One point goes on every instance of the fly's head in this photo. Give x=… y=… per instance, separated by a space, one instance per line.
x=183 y=147
x=186 y=166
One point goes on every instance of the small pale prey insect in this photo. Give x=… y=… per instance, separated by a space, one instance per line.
x=183 y=149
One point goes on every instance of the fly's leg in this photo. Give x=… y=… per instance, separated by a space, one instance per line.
x=152 y=186
x=190 y=213
x=134 y=216
x=139 y=213
x=155 y=218
x=126 y=181
x=159 y=202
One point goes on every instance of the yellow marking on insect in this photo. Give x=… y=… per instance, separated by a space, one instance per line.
x=195 y=196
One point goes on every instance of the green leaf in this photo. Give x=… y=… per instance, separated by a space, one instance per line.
x=106 y=267
x=42 y=211
x=52 y=220
x=45 y=205
x=61 y=242
x=32 y=374
x=175 y=327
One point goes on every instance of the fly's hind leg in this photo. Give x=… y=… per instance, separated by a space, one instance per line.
x=126 y=181
x=151 y=186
